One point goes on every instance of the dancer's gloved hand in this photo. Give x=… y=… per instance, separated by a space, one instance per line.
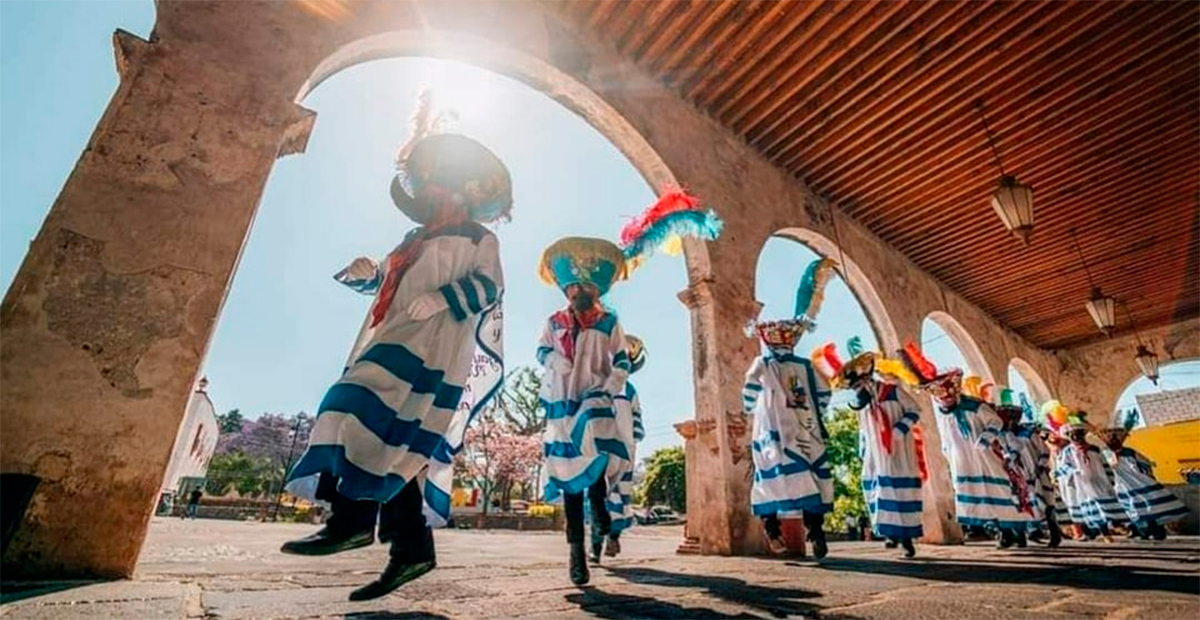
x=426 y=306
x=615 y=384
x=558 y=363
x=362 y=268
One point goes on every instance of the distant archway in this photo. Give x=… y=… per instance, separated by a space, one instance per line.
x=972 y=358
x=1174 y=375
x=1023 y=378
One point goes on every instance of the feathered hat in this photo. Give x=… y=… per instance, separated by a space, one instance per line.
x=637 y=352
x=1007 y=406
x=1053 y=415
x=924 y=370
x=1122 y=424
x=1076 y=421
x=1027 y=411
x=839 y=375
x=583 y=260
x=435 y=167
x=810 y=294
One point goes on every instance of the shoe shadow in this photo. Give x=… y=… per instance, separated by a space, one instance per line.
x=778 y=602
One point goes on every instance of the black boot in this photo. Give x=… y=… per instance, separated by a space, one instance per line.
x=1159 y=531
x=1006 y=539
x=890 y=544
x=909 y=549
x=1019 y=536
x=596 y=548
x=329 y=541
x=579 y=569
x=409 y=560
x=1055 y=536
x=613 y=548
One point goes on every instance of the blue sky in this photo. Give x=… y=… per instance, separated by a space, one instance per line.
x=287 y=327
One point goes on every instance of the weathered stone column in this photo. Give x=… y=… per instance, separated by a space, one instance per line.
x=719 y=481
x=109 y=317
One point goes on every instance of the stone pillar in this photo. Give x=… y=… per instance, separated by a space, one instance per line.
x=938 y=518
x=719 y=517
x=109 y=317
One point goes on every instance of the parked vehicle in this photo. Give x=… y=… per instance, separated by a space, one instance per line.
x=665 y=515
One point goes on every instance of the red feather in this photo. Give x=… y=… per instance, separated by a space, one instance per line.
x=920 y=364
x=672 y=201
x=829 y=351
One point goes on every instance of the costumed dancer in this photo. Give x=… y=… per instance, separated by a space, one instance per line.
x=1025 y=442
x=787 y=398
x=985 y=484
x=1084 y=464
x=887 y=415
x=386 y=433
x=1146 y=502
x=584 y=352
x=1053 y=415
x=631 y=431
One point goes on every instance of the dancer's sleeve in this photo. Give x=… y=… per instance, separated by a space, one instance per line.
x=481 y=288
x=990 y=424
x=911 y=413
x=635 y=402
x=367 y=286
x=752 y=390
x=621 y=366
x=545 y=350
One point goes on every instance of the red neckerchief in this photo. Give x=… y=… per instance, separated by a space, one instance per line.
x=881 y=418
x=574 y=323
x=406 y=254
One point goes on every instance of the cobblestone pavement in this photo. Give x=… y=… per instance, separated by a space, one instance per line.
x=222 y=569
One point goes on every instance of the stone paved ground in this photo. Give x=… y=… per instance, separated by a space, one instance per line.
x=221 y=569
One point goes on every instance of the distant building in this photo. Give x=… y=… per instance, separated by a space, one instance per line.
x=194 y=447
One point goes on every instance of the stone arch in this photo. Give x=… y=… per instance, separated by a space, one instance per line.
x=962 y=339
x=531 y=70
x=856 y=279
x=1037 y=386
x=1116 y=400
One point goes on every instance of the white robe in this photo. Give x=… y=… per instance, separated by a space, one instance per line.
x=386 y=421
x=1145 y=500
x=791 y=470
x=582 y=443
x=1035 y=462
x=1024 y=455
x=983 y=495
x=891 y=479
x=630 y=432
x=1095 y=499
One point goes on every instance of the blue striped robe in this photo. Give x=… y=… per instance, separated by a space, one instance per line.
x=1095 y=498
x=791 y=469
x=891 y=481
x=384 y=422
x=982 y=492
x=582 y=443
x=1145 y=500
x=629 y=426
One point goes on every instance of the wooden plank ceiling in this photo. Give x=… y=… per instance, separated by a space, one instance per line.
x=1094 y=104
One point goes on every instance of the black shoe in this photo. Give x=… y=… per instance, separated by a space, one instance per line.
x=1006 y=540
x=1160 y=532
x=325 y=542
x=820 y=549
x=1055 y=537
x=613 y=548
x=1021 y=541
x=909 y=549
x=579 y=570
x=1134 y=533
x=890 y=544
x=395 y=575
x=597 y=548
x=1036 y=536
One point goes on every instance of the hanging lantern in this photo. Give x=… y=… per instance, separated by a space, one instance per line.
x=1013 y=202
x=1147 y=361
x=1103 y=310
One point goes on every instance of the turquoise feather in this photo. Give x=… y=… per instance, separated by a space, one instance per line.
x=855 y=347
x=688 y=224
x=811 y=292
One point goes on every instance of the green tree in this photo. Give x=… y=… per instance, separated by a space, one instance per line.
x=519 y=404
x=230 y=422
x=666 y=479
x=237 y=471
x=843 y=450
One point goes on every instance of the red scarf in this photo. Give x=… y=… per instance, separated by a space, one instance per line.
x=881 y=418
x=575 y=323
x=406 y=254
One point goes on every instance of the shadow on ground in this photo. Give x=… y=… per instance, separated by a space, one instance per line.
x=1093 y=577
x=391 y=615
x=13 y=591
x=778 y=602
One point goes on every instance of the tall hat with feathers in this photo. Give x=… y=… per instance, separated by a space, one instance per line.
x=1027 y=411
x=1053 y=415
x=1007 y=406
x=435 y=168
x=583 y=260
x=637 y=352
x=810 y=294
x=1123 y=422
x=924 y=371
x=844 y=375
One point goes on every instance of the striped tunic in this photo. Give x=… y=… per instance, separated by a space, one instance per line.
x=630 y=430
x=1035 y=458
x=582 y=442
x=1095 y=499
x=384 y=422
x=1020 y=444
x=983 y=495
x=791 y=471
x=1145 y=500
x=891 y=477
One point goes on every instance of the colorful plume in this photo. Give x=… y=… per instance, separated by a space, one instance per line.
x=972 y=386
x=675 y=216
x=920 y=365
x=811 y=292
x=897 y=369
x=855 y=346
x=1129 y=419
x=826 y=360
